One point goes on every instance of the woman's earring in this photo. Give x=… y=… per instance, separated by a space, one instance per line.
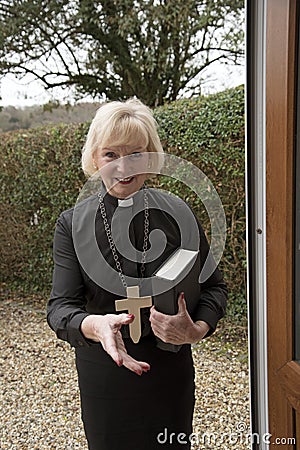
x=95 y=165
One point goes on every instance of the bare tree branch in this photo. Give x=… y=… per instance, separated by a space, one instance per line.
x=118 y=49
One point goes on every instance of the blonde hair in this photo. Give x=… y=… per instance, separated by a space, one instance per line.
x=121 y=123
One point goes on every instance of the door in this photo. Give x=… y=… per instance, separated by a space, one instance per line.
x=273 y=194
x=282 y=229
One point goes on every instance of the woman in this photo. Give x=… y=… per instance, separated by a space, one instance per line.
x=133 y=395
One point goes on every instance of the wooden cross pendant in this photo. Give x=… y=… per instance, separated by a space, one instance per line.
x=133 y=303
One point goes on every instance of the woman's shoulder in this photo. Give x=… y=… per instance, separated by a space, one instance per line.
x=163 y=197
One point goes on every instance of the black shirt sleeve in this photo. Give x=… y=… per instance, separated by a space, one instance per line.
x=66 y=307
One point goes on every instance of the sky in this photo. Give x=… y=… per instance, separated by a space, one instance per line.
x=29 y=92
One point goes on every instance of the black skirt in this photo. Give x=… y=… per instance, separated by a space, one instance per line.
x=125 y=411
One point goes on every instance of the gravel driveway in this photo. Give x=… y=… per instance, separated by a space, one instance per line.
x=39 y=394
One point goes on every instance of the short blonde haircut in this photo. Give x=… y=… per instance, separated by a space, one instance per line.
x=120 y=123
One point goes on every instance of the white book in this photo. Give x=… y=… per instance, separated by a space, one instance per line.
x=176 y=264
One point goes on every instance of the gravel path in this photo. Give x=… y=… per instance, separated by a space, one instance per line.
x=39 y=394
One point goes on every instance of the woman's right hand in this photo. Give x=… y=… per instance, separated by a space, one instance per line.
x=106 y=330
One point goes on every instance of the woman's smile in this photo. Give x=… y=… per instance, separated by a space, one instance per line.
x=123 y=168
x=125 y=180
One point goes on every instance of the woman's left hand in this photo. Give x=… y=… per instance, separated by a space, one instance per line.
x=177 y=329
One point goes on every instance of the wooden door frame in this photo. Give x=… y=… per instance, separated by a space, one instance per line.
x=280 y=145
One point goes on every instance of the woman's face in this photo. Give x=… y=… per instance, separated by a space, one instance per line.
x=122 y=167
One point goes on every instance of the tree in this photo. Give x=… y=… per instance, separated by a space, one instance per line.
x=114 y=49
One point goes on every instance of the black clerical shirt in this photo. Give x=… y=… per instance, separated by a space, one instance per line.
x=76 y=290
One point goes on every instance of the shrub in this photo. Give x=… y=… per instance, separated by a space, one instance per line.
x=41 y=176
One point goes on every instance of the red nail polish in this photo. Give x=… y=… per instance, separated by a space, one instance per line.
x=130 y=316
x=138 y=372
x=182 y=295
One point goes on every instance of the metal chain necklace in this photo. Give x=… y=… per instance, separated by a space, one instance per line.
x=111 y=240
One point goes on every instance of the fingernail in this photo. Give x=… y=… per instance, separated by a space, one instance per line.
x=182 y=295
x=138 y=372
x=130 y=316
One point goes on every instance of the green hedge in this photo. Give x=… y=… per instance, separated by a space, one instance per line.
x=41 y=176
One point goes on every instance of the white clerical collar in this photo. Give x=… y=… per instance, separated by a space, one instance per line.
x=125 y=202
